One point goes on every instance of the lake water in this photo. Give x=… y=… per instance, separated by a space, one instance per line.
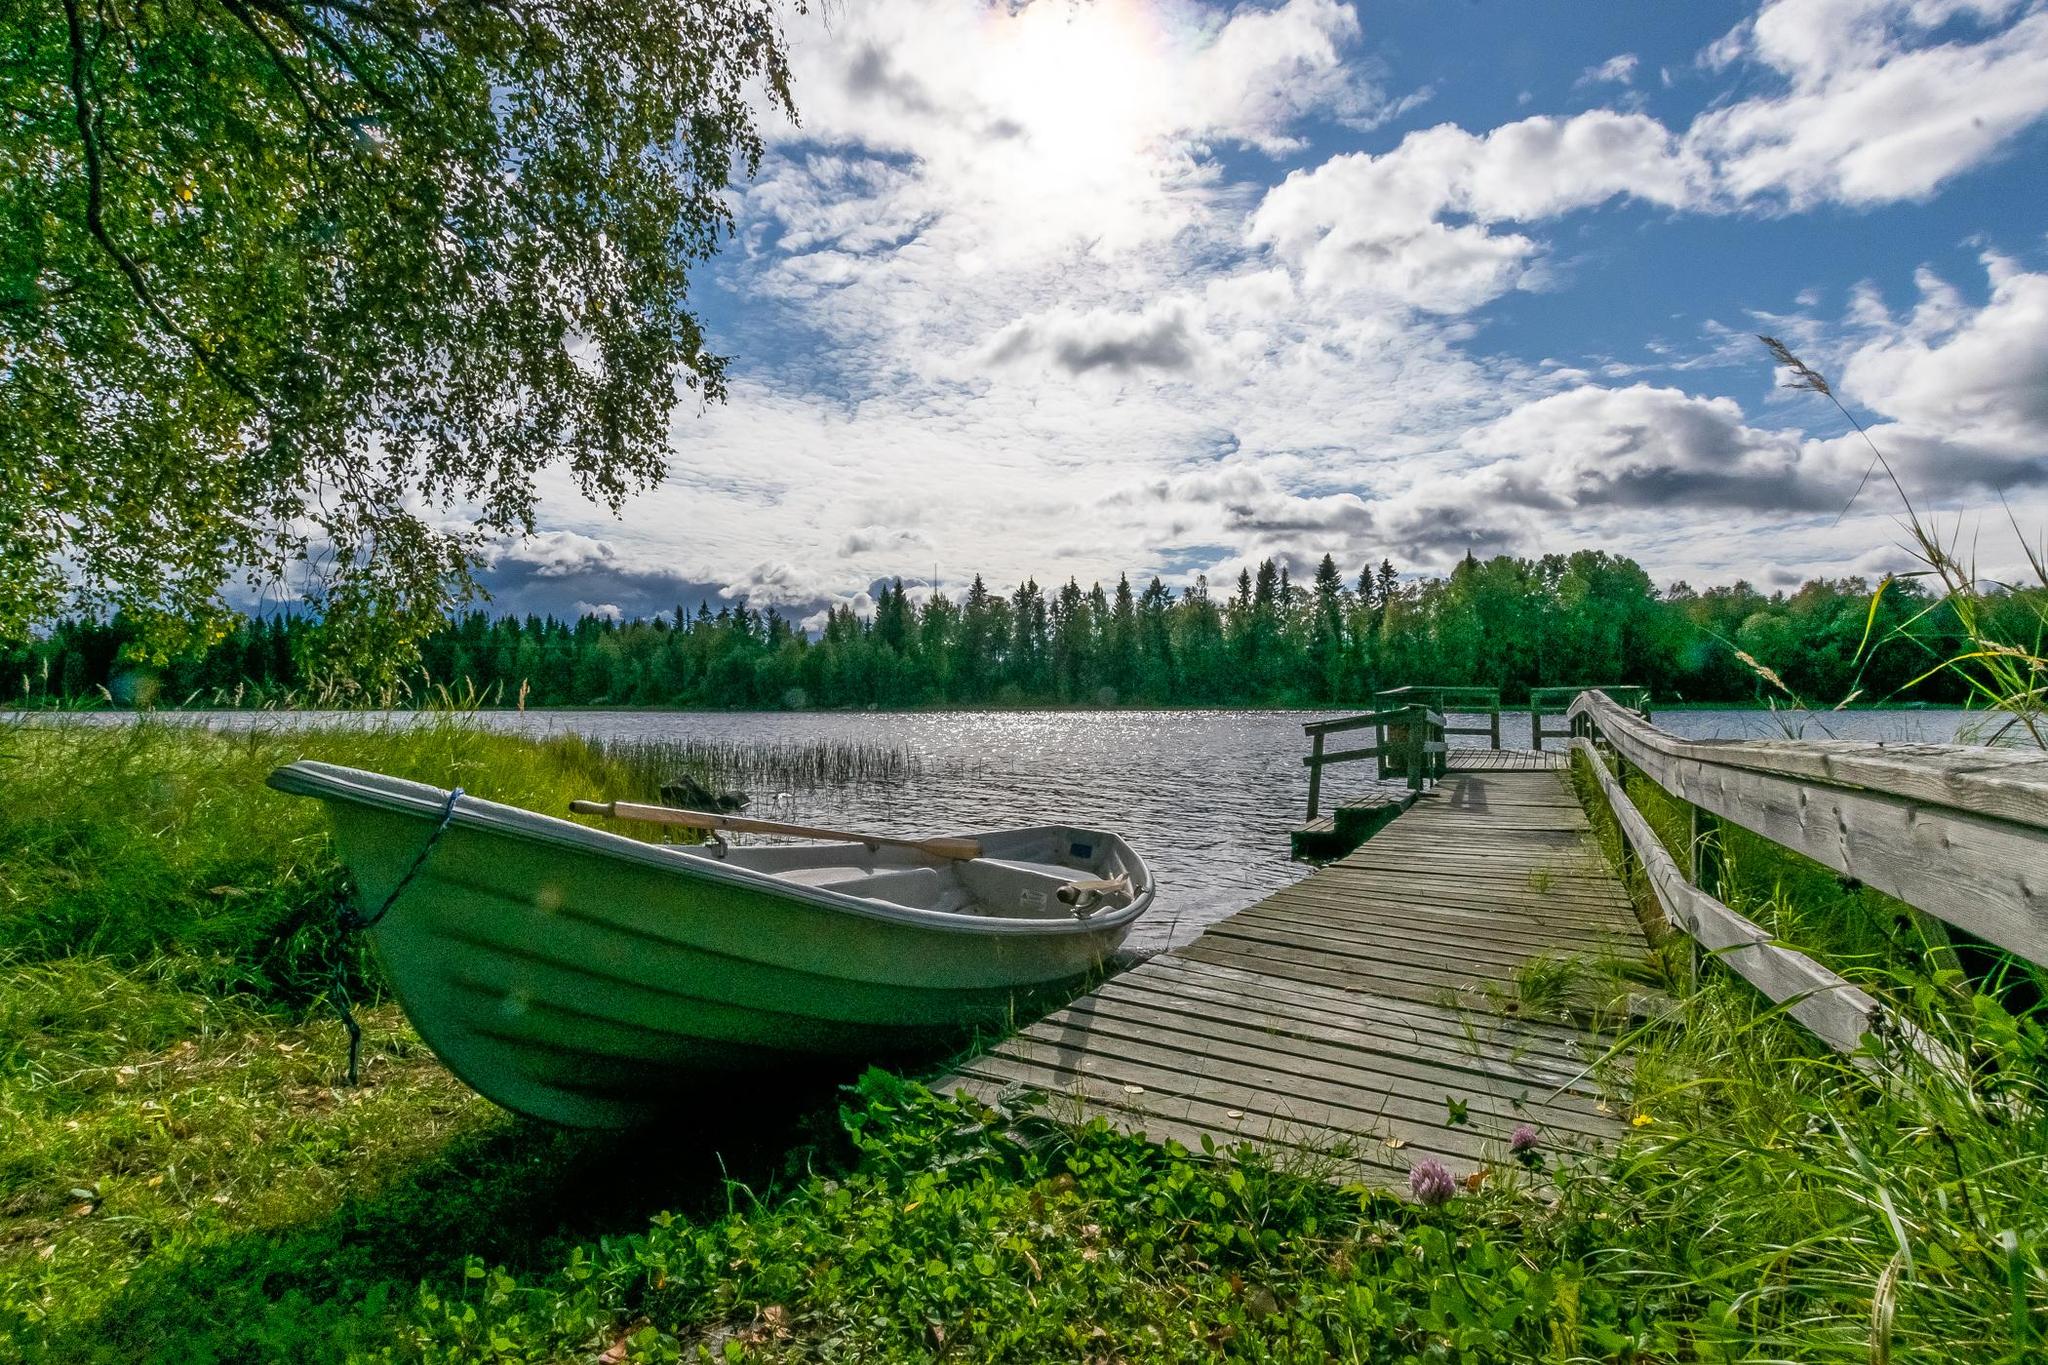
x=1207 y=797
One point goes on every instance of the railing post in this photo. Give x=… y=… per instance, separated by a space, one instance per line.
x=1418 y=745
x=1315 y=776
x=1705 y=841
x=1535 y=722
x=1494 y=719
x=1379 y=742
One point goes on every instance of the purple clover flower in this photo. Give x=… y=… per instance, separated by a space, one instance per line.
x=1431 y=1183
x=1523 y=1143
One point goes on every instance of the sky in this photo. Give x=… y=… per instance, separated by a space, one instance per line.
x=1088 y=287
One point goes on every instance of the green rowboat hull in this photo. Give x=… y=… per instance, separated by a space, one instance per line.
x=592 y=980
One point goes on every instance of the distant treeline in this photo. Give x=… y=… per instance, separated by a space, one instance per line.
x=1587 y=617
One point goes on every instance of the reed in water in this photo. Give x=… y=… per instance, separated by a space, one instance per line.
x=766 y=766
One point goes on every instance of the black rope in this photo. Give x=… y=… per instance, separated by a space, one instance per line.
x=352 y=922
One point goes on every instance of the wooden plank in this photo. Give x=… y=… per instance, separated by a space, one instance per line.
x=1358 y=722
x=1295 y=1149
x=2003 y=784
x=1504 y=891
x=1422 y=931
x=1515 y=863
x=1351 y=953
x=1591 y=986
x=1486 y=1043
x=1493 y=957
x=1444 y=920
x=1413 y=1088
x=1348 y=1007
x=1365 y=1117
x=1185 y=1117
x=1507 y=826
x=1959 y=832
x=1455 y=919
x=1440 y=924
x=1515 y=867
x=1466 y=758
x=1341 y=756
x=1464 y=994
x=1385 y=1085
x=1562 y=933
x=1836 y=1011
x=1177 y=973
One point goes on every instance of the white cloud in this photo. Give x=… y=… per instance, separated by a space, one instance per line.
x=554 y=554
x=1644 y=447
x=1874 y=111
x=1375 y=223
x=1974 y=376
x=1962 y=391
x=1616 y=70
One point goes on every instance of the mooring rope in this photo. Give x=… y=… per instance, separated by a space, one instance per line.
x=354 y=922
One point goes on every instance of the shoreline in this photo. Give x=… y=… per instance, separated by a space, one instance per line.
x=1055 y=708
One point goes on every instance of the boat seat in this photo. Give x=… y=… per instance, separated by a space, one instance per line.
x=825 y=875
x=917 y=887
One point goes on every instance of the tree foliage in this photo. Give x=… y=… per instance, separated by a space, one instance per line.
x=1588 y=617
x=320 y=285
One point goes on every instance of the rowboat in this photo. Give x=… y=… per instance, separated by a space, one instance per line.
x=594 y=980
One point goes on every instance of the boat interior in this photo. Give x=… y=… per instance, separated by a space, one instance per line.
x=1050 y=873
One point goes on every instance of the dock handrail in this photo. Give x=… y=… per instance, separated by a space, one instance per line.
x=1558 y=701
x=1833 y=1008
x=1358 y=722
x=1480 y=701
x=1956 y=831
x=1417 y=742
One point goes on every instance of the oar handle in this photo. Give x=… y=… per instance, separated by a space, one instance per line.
x=959 y=849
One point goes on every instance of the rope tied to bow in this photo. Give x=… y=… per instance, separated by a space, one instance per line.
x=353 y=921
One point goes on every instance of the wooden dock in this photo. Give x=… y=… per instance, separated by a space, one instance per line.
x=1473 y=759
x=1379 y=1009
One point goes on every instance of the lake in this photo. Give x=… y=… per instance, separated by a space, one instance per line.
x=1207 y=797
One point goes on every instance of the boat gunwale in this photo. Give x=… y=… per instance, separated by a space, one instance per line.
x=381 y=791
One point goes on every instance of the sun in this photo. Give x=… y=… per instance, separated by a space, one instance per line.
x=1082 y=92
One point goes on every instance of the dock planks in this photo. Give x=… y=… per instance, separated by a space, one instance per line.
x=1472 y=759
x=1362 y=1010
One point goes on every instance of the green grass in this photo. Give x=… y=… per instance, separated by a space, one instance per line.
x=183 y=1178
x=1874 y=1179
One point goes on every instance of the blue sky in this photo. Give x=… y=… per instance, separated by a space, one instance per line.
x=1079 y=288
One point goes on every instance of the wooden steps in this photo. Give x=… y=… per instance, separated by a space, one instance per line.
x=1348 y=826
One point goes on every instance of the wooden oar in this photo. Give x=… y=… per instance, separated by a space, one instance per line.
x=960 y=849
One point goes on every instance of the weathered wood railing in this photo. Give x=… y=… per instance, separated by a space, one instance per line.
x=1545 y=702
x=1413 y=735
x=1957 y=832
x=1449 y=702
